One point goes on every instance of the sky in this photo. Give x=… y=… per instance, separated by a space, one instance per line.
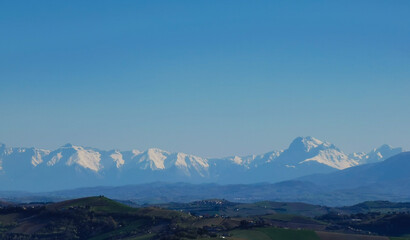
x=210 y=78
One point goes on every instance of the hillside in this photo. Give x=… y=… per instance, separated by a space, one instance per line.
x=102 y=218
x=85 y=218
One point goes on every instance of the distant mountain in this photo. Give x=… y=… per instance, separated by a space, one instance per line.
x=305 y=156
x=387 y=180
x=73 y=166
x=390 y=175
x=307 y=150
x=376 y=155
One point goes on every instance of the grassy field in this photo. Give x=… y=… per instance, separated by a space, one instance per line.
x=291 y=218
x=122 y=231
x=145 y=237
x=274 y=233
x=288 y=234
x=271 y=233
x=9 y=218
x=341 y=236
x=226 y=208
x=249 y=234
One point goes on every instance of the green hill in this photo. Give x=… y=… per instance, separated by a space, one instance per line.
x=100 y=218
x=98 y=204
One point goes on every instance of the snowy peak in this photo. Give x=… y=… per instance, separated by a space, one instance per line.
x=157 y=159
x=135 y=152
x=71 y=155
x=311 y=142
x=383 y=152
x=333 y=158
x=153 y=159
x=117 y=157
x=189 y=161
x=308 y=144
x=311 y=150
x=38 y=155
x=302 y=151
x=252 y=161
x=68 y=145
x=33 y=155
x=377 y=154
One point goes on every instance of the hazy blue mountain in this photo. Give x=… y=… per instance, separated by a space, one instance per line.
x=387 y=180
x=305 y=156
x=73 y=166
x=393 y=172
x=376 y=155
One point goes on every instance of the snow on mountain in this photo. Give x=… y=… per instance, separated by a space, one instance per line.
x=377 y=154
x=118 y=158
x=71 y=155
x=189 y=163
x=309 y=149
x=156 y=160
x=304 y=156
x=23 y=157
x=38 y=155
x=332 y=158
x=152 y=158
x=252 y=161
x=385 y=176
x=135 y=153
x=310 y=143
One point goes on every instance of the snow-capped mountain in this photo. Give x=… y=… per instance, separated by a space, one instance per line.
x=376 y=155
x=307 y=150
x=305 y=156
x=390 y=176
x=76 y=166
x=155 y=159
x=251 y=161
x=75 y=156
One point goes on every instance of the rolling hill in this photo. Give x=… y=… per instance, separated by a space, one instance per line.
x=99 y=217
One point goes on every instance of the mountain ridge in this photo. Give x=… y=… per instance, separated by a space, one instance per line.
x=78 y=166
x=387 y=180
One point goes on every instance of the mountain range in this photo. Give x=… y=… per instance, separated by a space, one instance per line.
x=382 y=181
x=73 y=166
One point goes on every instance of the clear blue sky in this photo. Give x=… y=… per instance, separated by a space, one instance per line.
x=211 y=78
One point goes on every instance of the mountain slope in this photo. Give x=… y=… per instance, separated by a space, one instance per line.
x=304 y=150
x=394 y=171
x=376 y=155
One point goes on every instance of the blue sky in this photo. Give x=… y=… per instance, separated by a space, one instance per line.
x=211 y=78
